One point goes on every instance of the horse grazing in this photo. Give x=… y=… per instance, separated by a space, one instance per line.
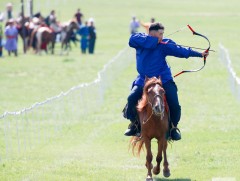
x=153 y=116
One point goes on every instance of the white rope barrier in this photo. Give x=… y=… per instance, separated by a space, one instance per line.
x=34 y=126
x=233 y=78
x=62 y=94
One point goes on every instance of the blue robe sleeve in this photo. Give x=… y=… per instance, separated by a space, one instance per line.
x=141 y=40
x=172 y=49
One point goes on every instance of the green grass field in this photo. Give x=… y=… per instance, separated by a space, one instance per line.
x=93 y=147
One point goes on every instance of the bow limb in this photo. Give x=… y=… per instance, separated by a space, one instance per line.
x=204 y=58
x=198 y=34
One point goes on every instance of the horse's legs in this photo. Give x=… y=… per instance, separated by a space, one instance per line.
x=166 y=171
x=156 y=169
x=65 y=46
x=53 y=41
x=53 y=46
x=148 y=159
x=15 y=52
x=62 y=45
x=68 y=46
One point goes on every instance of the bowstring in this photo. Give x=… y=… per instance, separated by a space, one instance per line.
x=180 y=29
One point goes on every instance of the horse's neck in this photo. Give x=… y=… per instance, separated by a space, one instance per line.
x=148 y=109
x=147 y=113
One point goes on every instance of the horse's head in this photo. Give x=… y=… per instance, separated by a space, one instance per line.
x=73 y=25
x=155 y=95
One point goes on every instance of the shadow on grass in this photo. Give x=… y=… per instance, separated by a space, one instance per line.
x=176 y=179
x=68 y=60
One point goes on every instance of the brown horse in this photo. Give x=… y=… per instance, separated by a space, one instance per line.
x=23 y=31
x=153 y=116
x=66 y=34
x=45 y=36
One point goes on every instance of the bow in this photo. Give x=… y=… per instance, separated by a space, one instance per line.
x=204 y=58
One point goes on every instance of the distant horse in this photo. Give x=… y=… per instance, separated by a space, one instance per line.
x=153 y=115
x=66 y=34
x=24 y=32
x=45 y=36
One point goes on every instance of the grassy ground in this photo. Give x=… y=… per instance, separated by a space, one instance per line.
x=94 y=148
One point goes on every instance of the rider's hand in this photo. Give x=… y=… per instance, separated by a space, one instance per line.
x=205 y=54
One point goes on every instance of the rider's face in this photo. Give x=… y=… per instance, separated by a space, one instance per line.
x=158 y=34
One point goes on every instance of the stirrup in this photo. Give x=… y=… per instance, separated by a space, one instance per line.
x=138 y=134
x=134 y=129
x=170 y=132
x=174 y=128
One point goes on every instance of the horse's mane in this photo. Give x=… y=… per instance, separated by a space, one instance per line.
x=148 y=82
x=73 y=20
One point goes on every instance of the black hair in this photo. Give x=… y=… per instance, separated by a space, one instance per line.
x=156 y=26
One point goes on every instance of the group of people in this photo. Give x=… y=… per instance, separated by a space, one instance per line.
x=88 y=34
x=86 y=30
x=13 y=27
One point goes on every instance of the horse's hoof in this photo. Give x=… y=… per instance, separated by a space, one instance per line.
x=166 y=173
x=149 y=178
x=156 y=171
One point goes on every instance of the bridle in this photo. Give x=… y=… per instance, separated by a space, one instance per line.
x=162 y=105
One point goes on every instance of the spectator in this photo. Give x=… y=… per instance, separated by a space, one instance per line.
x=134 y=25
x=147 y=25
x=92 y=36
x=54 y=25
x=9 y=11
x=79 y=16
x=84 y=33
x=11 y=33
x=1 y=32
x=52 y=18
x=2 y=17
x=0 y=40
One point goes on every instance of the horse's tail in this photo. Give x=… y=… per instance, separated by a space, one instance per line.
x=136 y=143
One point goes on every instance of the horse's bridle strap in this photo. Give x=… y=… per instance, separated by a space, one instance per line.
x=157 y=95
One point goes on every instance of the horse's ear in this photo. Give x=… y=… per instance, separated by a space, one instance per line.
x=146 y=78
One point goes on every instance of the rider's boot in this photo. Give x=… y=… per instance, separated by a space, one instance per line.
x=134 y=129
x=175 y=133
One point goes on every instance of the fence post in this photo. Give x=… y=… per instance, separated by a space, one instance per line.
x=1 y=40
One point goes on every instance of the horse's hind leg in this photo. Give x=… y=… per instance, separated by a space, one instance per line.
x=148 y=159
x=53 y=46
x=62 y=47
x=166 y=171
x=156 y=169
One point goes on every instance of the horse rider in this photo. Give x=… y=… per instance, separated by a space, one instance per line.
x=151 y=52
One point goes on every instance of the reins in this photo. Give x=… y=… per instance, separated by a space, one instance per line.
x=144 y=122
